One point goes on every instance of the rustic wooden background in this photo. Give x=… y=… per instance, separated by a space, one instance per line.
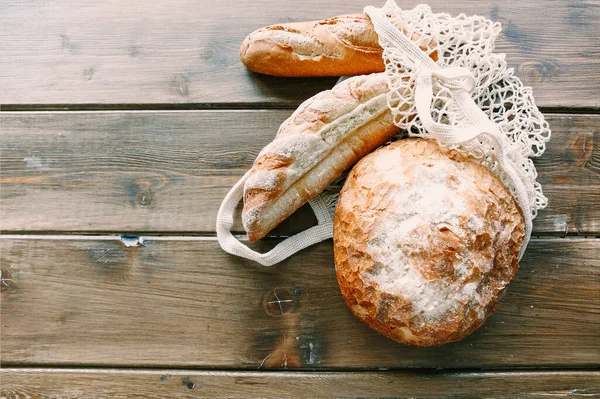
x=124 y=124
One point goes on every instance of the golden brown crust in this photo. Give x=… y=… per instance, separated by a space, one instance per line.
x=425 y=241
x=325 y=136
x=340 y=46
x=344 y=45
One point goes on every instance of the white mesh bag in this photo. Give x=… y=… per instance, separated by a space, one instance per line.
x=467 y=100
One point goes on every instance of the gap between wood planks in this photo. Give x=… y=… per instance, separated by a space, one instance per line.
x=130 y=240
x=214 y=107
x=331 y=371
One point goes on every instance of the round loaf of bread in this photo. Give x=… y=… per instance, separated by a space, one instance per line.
x=425 y=241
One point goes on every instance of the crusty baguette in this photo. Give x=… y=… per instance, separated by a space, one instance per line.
x=344 y=45
x=326 y=135
x=339 y=46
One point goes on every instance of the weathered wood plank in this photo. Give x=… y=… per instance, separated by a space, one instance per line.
x=185 y=303
x=118 y=383
x=156 y=52
x=169 y=171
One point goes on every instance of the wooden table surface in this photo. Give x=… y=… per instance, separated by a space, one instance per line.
x=123 y=125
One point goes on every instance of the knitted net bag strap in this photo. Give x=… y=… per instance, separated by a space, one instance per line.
x=229 y=243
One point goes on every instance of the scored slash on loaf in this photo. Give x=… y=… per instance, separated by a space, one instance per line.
x=340 y=46
x=326 y=135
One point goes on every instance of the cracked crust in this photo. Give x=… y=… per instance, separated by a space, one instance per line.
x=340 y=46
x=344 y=45
x=326 y=135
x=425 y=242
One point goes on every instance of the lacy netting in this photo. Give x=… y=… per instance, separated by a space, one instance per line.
x=465 y=41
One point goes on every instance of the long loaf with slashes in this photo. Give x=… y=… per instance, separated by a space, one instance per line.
x=339 y=46
x=326 y=135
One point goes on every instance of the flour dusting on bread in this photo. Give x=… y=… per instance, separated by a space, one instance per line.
x=425 y=240
x=324 y=136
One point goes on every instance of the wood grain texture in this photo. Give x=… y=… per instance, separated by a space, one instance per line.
x=173 y=52
x=122 y=384
x=185 y=303
x=169 y=171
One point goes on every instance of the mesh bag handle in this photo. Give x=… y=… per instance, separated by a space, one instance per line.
x=322 y=231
